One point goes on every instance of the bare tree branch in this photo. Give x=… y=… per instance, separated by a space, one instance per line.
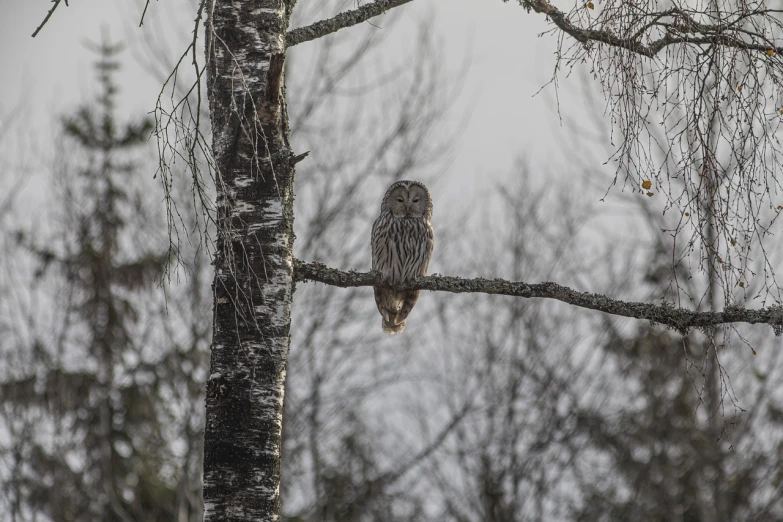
x=674 y=25
x=712 y=72
x=48 y=16
x=341 y=21
x=679 y=319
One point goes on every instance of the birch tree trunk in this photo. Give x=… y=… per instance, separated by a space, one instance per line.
x=253 y=282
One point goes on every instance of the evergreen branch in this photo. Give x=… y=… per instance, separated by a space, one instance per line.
x=340 y=21
x=679 y=319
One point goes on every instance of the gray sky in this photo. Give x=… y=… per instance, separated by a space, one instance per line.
x=52 y=73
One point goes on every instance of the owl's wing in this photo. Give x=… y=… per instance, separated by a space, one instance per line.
x=429 y=244
x=410 y=297
x=376 y=243
x=395 y=306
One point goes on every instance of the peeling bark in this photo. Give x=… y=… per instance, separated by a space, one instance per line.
x=679 y=319
x=253 y=282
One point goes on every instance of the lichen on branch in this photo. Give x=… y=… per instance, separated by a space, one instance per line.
x=340 y=21
x=666 y=314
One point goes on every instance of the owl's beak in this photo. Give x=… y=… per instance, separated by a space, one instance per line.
x=407 y=210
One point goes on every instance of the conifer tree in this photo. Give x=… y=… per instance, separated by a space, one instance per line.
x=89 y=416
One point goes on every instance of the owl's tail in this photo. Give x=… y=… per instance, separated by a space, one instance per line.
x=391 y=328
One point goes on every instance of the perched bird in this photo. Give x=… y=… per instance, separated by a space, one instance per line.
x=402 y=240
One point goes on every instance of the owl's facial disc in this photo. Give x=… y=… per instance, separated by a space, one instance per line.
x=399 y=202
x=408 y=201
x=417 y=201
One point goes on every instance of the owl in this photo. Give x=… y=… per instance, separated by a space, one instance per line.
x=402 y=241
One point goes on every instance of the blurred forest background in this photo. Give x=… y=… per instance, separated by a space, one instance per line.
x=487 y=408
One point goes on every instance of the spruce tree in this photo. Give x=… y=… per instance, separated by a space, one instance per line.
x=95 y=429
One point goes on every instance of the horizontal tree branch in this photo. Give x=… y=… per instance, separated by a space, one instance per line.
x=679 y=319
x=341 y=21
x=683 y=30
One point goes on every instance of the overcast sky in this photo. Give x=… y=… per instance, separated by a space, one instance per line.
x=52 y=73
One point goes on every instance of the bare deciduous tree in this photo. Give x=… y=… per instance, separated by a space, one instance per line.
x=254 y=172
x=686 y=59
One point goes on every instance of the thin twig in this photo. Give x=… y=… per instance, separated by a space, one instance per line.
x=299 y=157
x=49 y=15
x=144 y=12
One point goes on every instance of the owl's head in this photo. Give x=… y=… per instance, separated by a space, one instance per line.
x=408 y=199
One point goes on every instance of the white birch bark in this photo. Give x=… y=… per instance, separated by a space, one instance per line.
x=253 y=281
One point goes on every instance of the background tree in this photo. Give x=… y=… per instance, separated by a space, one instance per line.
x=91 y=435
x=396 y=137
x=606 y=419
x=253 y=164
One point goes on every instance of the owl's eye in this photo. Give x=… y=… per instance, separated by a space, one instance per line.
x=400 y=200
x=415 y=200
